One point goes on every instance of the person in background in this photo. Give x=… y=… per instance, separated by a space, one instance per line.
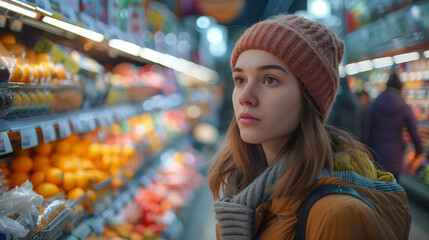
x=278 y=147
x=388 y=115
x=346 y=113
x=365 y=101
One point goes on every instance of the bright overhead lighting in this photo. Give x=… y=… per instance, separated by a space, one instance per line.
x=406 y=57
x=19 y=10
x=94 y=36
x=352 y=68
x=24 y=4
x=365 y=65
x=125 y=46
x=426 y=54
x=151 y=55
x=382 y=62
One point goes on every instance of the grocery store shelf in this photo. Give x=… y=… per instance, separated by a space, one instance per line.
x=415 y=189
x=86 y=120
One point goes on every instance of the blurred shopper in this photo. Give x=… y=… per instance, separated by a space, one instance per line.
x=278 y=148
x=388 y=114
x=347 y=112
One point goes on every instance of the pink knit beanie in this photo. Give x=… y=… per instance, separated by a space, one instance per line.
x=310 y=49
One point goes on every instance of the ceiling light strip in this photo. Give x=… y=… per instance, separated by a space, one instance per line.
x=95 y=36
x=18 y=9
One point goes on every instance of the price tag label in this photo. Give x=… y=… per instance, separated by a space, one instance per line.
x=44 y=6
x=2 y=21
x=16 y=25
x=5 y=146
x=76 y=124
x=88 y=125
x=102 y=120
x=110 y=118
x=48 y=131
x=28 y=138
x=64 y=128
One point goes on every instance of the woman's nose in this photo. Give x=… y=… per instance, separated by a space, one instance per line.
x=248 y=96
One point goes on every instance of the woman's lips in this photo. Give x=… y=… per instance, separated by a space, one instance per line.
x=246 y=118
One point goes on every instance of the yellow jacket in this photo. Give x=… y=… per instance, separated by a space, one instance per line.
x=340 y=216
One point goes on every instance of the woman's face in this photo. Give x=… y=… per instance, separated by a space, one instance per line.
x=266 y=98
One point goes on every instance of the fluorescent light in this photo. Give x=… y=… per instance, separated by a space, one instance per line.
x=19 y=10
x=24 y=4
x=382 y=62
x=365 y=65
x=95 y=36
x=426 y=54
x=406 y=57
x=151 y=55
x=125 y=46
x=352 y=68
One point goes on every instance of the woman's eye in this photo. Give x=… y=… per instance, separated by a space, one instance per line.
x=270 y=81
x=239 y=81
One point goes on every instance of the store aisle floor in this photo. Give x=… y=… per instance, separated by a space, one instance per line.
x=201 y=221
x=419 y=226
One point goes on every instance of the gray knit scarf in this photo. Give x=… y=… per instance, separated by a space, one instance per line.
x=236 y=215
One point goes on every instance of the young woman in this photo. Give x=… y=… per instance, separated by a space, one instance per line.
x=278 y=148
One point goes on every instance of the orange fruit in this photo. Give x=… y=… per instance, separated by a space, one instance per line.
x=44 y=149
x=82 y=179
x=94 y=150
x=79 y=149
x=63 y=147
x=21 y=163
x=47 y=189
x=75 y=193
x=129 y=174
x=54 y=175
x=60 y=72
x=37 y=178
x=91 y=194
x=117 y=182
x=17 y=74
x=30 y=55
x=86 y=164
x=74 y=138
x=7 y=38
x=66 y=164
x=28 y=75
x=43 y=57
x=41 y=162
x=17 y=178
x=128 y=150
x=69 y=181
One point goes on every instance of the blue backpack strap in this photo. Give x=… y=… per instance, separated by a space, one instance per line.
x=319 y=193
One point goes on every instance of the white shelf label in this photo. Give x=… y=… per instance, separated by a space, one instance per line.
x=64 y=128
x=48 y=131
x=2 y=21
x=5 y=146
x=28 y=138
x=88 y=124
x=16 y=25
x=76 y=124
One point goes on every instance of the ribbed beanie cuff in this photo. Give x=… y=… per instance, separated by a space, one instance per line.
x=311 y=50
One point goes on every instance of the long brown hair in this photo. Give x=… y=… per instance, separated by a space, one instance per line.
x=312 y=149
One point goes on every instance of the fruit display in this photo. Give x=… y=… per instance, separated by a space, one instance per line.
x=153 y=209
